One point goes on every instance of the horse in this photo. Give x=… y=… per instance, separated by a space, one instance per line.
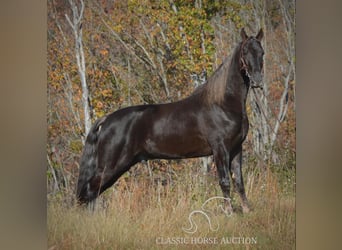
x=211 y=121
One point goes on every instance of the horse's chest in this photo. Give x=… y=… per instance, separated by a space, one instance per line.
x=237 y=130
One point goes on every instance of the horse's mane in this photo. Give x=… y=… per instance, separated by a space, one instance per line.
x=213 y=90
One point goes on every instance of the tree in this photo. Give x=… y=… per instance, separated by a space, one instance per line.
x=76 y=25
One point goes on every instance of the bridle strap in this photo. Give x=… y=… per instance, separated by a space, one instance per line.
x=242 y=60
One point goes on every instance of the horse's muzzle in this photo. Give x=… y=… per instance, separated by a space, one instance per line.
x=256 y=80
x=256 y=86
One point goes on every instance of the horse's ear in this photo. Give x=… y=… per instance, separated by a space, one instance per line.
x=260 y=35
x=243 y=34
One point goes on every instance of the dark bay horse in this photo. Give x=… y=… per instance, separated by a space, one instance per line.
x=212 y=121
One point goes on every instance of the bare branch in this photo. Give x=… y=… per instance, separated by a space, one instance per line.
x=150 y=60
x=126 y=46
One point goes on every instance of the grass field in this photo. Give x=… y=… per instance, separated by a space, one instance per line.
x=140 y=214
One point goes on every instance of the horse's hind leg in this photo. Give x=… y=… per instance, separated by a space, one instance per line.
x=221 y=158
x=237 y=178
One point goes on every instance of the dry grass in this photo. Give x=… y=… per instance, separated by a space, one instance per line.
x=141 y=215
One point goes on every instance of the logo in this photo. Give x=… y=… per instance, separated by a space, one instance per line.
x=208 y=215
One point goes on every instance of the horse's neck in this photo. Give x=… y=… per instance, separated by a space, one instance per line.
x=236 y=88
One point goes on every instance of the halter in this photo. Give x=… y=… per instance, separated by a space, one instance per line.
x=244 y=65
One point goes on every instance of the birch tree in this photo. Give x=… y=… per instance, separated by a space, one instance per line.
x=288 y=71
x=76 y=25
x=267 y=114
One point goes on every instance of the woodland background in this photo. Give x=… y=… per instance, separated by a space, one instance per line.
x=105 y=55
x=140 y=52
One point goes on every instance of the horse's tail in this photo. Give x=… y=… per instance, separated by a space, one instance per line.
x=88 y=161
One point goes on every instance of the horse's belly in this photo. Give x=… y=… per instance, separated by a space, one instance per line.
x=177 y=147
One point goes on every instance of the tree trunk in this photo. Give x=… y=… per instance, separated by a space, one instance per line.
x=76 y=25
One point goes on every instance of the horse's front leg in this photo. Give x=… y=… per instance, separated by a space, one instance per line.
x=221 y=158
x=236 y=173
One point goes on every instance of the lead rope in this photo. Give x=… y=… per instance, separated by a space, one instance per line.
x=262 y=110
x=267 y=121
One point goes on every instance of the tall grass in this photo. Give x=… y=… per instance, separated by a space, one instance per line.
x=142 y=214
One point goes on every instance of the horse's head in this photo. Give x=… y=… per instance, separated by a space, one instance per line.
x=251 y=58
